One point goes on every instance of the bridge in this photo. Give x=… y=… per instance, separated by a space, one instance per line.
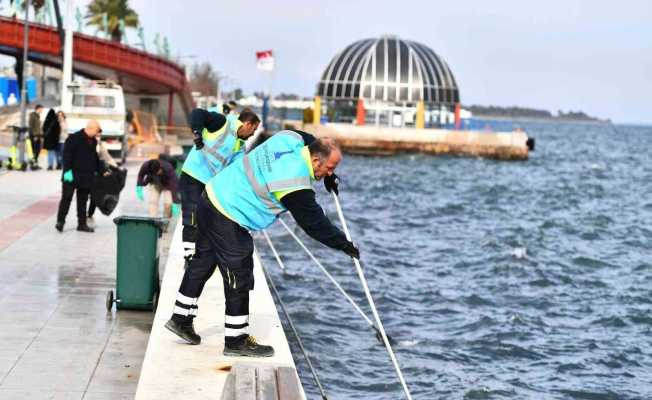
x=135 y=70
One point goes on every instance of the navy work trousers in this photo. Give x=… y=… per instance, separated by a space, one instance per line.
x=191 y=190
x=223 y=244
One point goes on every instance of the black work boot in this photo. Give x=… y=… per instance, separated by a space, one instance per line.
x=85 y=228
x=185 y=332
x=59 y=226
x=247 y=347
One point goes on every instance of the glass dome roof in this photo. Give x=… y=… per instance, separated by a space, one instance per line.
x=389 y=69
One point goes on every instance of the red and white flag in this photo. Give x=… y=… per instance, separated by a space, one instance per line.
x=265 y=60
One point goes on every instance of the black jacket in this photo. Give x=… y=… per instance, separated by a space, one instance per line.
x=80 y=155
x=51 y=131
x=200 y=119
x=167 y=181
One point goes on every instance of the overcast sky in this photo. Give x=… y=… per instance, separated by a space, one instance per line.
x=590 y=55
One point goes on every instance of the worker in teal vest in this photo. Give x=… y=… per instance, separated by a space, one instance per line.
x=217 y=142
x=249 y=195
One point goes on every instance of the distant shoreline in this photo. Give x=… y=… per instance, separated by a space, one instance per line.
x=535 y=119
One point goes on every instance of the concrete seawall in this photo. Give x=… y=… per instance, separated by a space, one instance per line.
x=372 y=140
x=174 y=370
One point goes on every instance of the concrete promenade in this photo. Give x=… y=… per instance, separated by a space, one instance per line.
x=175 y=370
x=57 y=340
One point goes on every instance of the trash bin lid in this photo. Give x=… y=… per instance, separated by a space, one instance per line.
x=160 y=223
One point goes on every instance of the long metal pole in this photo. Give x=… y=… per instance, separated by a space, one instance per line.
x=371 y=303
x=328 y=275
x=23 y=89
x=276 y=255
x=66 y=98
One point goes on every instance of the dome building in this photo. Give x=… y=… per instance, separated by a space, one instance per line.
x=388 y=81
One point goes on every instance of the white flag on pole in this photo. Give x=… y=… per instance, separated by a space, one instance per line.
x=265 y=60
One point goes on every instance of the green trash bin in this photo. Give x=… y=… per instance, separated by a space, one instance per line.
x=137 y=278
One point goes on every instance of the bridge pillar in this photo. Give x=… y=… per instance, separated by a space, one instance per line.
x=170 y=108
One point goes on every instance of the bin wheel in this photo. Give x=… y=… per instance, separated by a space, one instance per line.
x=155 y=302
x=109 y=300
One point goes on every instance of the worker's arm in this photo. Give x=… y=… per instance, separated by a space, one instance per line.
x=69 y=148
x=311 y=218
x=142 y=174
x=200 y=119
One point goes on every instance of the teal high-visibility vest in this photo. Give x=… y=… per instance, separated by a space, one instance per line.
x=219 y=151
x=245 y=189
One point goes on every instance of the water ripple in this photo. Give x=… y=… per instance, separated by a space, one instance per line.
x=497 y=280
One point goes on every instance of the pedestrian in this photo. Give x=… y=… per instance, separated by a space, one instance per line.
x=80 y=166
x=161 y=178
x=249 y=195
x=216 y=145
x=109 y=162
x=51 y=135
x=36 y=133
x=63 y=135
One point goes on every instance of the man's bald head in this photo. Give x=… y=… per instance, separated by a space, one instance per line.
x=325 y=154
x=92 y=128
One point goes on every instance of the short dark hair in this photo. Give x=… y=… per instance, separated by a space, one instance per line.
x=323 y=147
x=248 y=116
x=38 y=106
x=233 y=104
x=226 y=109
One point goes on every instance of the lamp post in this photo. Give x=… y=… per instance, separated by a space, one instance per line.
x=23 y=83
x=23 y=89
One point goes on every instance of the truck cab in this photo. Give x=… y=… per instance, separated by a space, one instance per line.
x=104 y=102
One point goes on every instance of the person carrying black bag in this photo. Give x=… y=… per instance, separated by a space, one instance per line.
x=81 y=164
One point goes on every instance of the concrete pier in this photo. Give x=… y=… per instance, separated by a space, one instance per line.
x=175 y=370
x=374 y=140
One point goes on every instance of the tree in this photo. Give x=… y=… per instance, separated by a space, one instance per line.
x=203 y=79
x=112 y=12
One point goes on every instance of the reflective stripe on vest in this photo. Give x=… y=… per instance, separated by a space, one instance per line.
x=216 y=154
x=213 y=149
x=261 y=190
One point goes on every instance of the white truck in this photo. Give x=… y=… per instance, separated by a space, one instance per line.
x=103 y=101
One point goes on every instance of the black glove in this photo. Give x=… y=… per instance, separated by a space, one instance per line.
x=331 y=182
x=351 y=250
x=199 y=142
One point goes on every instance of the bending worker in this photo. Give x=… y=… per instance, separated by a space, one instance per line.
x=249 y=195
x=217 y=142
x=162 y=180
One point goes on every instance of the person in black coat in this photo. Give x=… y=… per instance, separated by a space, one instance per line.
x=51 y=135
x=80 y=166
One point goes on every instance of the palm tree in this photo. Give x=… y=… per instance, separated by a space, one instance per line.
x=112 y=12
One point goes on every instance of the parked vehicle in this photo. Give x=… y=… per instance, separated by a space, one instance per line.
x=103 y=101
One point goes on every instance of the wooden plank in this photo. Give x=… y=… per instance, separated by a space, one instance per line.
x=266 y=384
x=288 y=384
x=228 y=393
x=245 y=382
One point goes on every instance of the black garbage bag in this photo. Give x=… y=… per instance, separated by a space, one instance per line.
x=106 y=192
